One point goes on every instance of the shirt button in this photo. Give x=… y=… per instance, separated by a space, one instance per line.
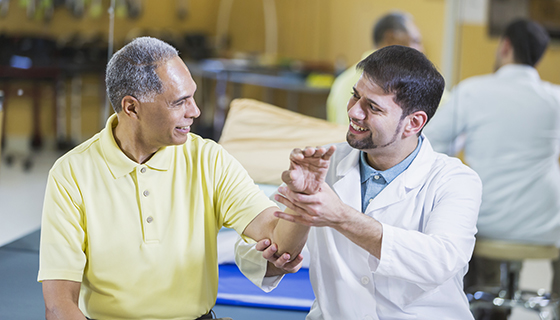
x=146 y=193
x=143 y=170
x=370 y=200
x=149 y=219
x=365 y=280
x=376 y=177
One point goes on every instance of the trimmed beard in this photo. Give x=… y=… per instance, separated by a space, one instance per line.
x=367 y=143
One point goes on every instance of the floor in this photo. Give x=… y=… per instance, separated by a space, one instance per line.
x=21 y=198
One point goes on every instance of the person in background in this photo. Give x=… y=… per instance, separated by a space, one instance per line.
x=395 y=28
x=131 y=216
x=392 y=221
x=509 y=125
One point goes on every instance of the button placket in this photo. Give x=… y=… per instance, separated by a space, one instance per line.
x=149 y=224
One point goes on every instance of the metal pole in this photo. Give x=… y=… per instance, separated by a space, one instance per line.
x=449 y=54
x=105 y=113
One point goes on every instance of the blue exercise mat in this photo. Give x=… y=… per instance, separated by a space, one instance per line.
x=293 y=293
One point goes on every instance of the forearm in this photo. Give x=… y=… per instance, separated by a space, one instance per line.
x=363 y=230
x=61 y=300
x=446 y=253
x=273 y=271
x=64 y=311
x=290 y=237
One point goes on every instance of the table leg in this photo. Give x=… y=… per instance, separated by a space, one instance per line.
x=36 y=137
x=76 y=110
x=292 y=101
x=3 y=106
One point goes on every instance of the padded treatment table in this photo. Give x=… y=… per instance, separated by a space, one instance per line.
x=293 y=293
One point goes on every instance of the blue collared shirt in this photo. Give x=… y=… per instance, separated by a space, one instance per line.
x=373 y=181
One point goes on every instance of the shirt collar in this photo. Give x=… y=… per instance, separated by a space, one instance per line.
x=366 y=171
x=518 y=70
x=119 y=163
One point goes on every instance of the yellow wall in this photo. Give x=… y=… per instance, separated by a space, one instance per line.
x=352 y=21
x=477 y=54
x=323 y=30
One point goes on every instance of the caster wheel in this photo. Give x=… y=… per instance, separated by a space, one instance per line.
x=10 y=160
x=27 y=165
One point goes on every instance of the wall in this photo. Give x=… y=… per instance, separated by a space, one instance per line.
x=320 y=32
x=477 y=53
x=323 y=30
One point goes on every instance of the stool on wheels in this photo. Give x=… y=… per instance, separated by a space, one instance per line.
x=508 y=294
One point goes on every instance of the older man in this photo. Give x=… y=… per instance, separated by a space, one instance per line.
x=131 y=216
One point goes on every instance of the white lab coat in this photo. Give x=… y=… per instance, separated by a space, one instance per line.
x=428 y=214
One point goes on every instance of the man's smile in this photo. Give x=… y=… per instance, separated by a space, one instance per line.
x=357 y=127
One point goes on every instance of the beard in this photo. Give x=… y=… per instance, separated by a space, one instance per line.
x=363 y=144
x=367 y=143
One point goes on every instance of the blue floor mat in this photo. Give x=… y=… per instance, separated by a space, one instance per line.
x=293 y=293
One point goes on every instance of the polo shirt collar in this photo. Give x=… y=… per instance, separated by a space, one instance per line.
x=119 y=164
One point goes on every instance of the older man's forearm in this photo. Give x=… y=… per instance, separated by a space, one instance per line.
x=290 y=237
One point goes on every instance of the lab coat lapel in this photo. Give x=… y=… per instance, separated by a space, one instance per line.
x=410 y=179
x=393 y=193
x=348 y=185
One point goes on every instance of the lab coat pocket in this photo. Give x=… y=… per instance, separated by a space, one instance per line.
x=404 y=294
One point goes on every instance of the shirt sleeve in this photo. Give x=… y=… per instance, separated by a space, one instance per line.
x=444 y=247
x=340 y=94
x=239 y=199
x=62 y=250
x=251 y=263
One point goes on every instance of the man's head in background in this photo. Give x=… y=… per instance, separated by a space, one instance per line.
x=397 y=28
x=523 y=42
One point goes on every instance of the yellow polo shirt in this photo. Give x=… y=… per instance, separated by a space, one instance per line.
x=141 y=238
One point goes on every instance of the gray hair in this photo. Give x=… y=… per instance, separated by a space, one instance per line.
x=132 y=70
x=394 y=21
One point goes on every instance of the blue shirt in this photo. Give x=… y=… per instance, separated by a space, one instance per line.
x=373 y=181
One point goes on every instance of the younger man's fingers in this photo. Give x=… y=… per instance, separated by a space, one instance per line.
x=269 y=252
x=262 y=244
x=294 y=265
x=282 y=261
